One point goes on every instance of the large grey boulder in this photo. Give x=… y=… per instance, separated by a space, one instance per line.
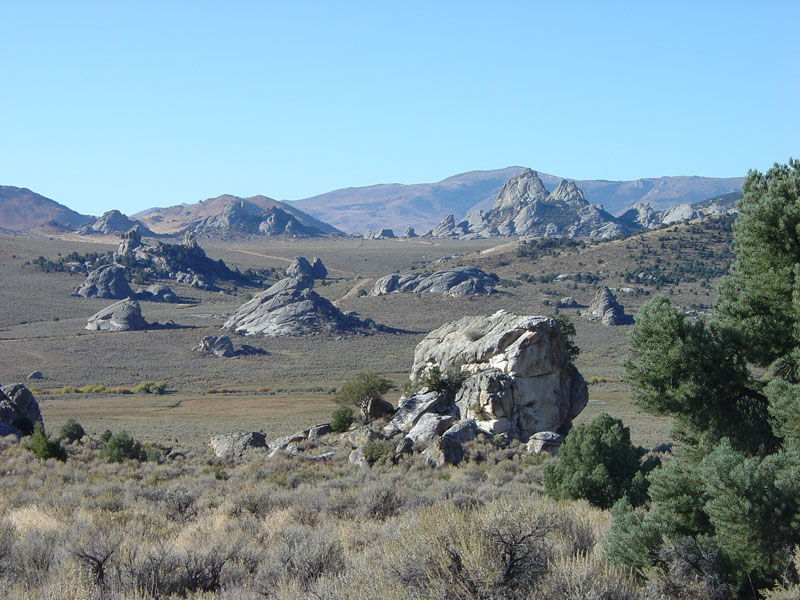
x=444 y=451
x=125 y=315
x=292 y=307
x=235 y=445
x=606 y=309
x=220 y=346
x=299 y=267
x=545 y=441
x=108 y=281
x=131 y=240
x=517 y=377
x=448 y=228
x=17 y=402
x=458 y=281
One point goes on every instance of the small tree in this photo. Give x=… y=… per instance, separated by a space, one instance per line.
x=361 y=389
x=599 y=463
x=42 y=447
x=71 y=431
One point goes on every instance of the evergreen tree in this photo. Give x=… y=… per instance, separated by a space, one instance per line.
x=733 y=488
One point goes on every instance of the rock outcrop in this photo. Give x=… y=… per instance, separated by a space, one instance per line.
x=409 y=233
x=292 y=307
x=300 y=266
x=112 y=222
x=606 y=309
x=109 y=282
x=517 y=377
x=214 y=345
x=222 y=347
x=235 y=445
x=17 y=403
x=380 y=234
x=459 y=281
x=125 y=315
x=568 y=302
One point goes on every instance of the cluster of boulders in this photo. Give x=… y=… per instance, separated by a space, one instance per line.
x=458 y=281
x=243 y=216
x=111 y=282
x=112 y=222
x=18 y=410
x=503 y=376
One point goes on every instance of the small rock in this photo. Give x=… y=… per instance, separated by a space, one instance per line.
x=444 y=451
x=544 y=441
x=220 y=346
x=318 y=431
x=378 y=408
x=357 y=457
x=429 y=427
x=35 y=375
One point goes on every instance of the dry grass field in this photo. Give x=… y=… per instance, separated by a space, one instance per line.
x=42 y=328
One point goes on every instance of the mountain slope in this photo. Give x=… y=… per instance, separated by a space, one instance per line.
x=173 y=219
x=397 y=205
x=424 y=205
x=22 y=209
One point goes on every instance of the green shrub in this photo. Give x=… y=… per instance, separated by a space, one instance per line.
x=106 y=435
x=361 y=389
x=148 y=387
x=597 y=462
x=153 y=452
x=42 y=447
x=342 y=419
x=121 y=447
x=374 y=451
x=71 y=431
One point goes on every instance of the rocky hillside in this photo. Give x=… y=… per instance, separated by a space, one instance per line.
x=424 y=205
x=525 y=208
x=22 y=209
x=232 y=214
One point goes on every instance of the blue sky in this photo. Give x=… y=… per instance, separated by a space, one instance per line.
x=136 y=104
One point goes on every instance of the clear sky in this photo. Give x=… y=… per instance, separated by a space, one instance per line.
x=130 y=105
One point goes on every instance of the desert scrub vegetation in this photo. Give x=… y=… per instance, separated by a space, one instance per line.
x=198 y=527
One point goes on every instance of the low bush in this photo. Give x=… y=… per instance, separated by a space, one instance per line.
x=375 y=451
x=149 y=387
x=121 y=447
x=341 y=419
x=71 y=431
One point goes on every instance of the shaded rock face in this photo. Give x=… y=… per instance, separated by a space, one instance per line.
x=125 y=315
x=523 y=207
x=300 y=266
x=108 y=281
x=220 y=346
x=518 y=379
x=606 y=309
x=291 y=307
x=409 y=233
x=459 y=281
x=235 y=445
x=110 y=223
x=17 y=402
